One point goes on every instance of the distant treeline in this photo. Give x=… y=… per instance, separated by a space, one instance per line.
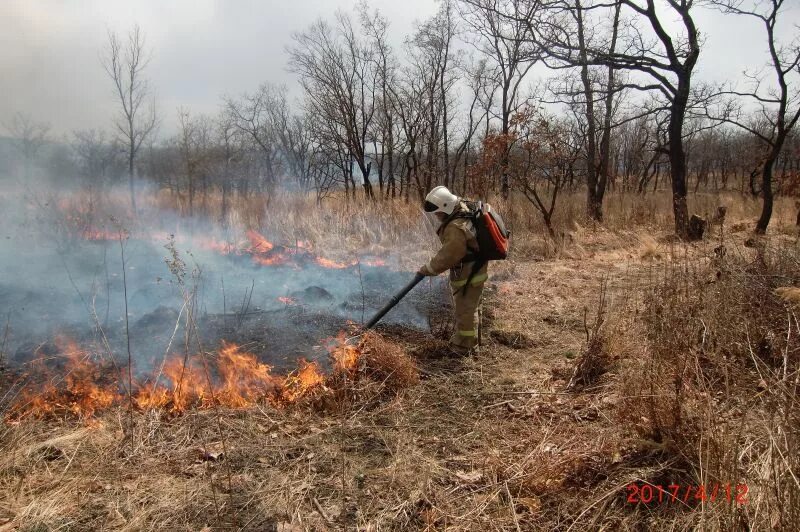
x=459 y=105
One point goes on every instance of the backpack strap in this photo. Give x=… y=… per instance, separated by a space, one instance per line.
x=469 y=214
x=454 y=216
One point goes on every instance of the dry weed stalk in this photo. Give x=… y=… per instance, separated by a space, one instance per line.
x=594 y=360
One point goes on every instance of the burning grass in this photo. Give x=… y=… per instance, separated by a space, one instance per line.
x=230 y=377
x=387 y=363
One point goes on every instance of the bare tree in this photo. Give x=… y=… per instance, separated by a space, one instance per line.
x=482 y=89
x=407 y=102
x=254 y=115
x=28 y=136
x=593 y=96
x=338 y=75
x=228 y=138
x=502 y=31
x=779 y=106
x=125 y=63
x=431 y=72
x=196 y=144
x=294 y=136
x=663 y=57
x=97 y=155
x=540 y=154
x=385 y=130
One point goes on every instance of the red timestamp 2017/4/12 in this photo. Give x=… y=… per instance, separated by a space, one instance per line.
x=646 y=493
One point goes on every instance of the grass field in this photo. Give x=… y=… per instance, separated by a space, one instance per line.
x=613 y=356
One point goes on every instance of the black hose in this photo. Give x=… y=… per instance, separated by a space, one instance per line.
x=394 y=301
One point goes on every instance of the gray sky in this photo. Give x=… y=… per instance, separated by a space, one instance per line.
x=202 y=49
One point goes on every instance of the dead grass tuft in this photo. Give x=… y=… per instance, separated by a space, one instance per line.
x=651 y=249
x=790 y=294
x=388 y=363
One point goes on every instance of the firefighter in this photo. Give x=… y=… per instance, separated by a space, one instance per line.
x=459 y=255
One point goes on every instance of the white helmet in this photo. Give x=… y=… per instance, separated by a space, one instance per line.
x=440 y=200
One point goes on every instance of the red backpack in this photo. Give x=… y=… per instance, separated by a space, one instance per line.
x=490 y=231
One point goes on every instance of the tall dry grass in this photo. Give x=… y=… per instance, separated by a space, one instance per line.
x=712 y=388
x=348 y=225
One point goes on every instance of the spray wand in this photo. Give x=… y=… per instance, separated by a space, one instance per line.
x=389 y=306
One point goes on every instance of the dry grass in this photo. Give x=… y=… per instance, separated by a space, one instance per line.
x=388 y=363
x=698 y=385
x=714 y=387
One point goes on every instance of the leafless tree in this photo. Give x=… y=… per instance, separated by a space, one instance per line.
x=593 y=96
x=197 y=147
x=28 y=136
x=294 y=136
x=254 y=115
x=407 y=102
x=231 y=144
x=669 y=59
x=778 y=105
x=125 y=63
x=431 y=76
x=97 y=155
x=502 y=33
x=663 y=59
x=338 y=75
x=540 y=154
x=481 y=89
x=385 y=129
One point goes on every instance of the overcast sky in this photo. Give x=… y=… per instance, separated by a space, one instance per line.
x=203 y=49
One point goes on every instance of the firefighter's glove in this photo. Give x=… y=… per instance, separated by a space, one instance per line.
x=423 y=270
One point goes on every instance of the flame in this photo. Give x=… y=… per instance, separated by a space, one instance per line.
x=262 y=251
x=233 y=378
x=83 y=389
x=259 y=244
x=245 y=380
x=327 y=263
x=287 y=300
x=307 y=377
x=345 y=356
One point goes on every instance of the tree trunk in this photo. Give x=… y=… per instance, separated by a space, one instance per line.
x=504 y=184
x=677 y=161
x=224 y=213
x=766 y=190
x=594 y=207
x=130 y=180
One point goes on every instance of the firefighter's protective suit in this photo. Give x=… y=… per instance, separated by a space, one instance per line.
x=459 y=245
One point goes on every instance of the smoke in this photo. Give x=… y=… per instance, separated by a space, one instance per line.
x=62 y=265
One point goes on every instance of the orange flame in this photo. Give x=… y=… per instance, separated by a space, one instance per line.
x=262 y=251
x=234 y=378
x=82 y=390
x=344 y=355
x=259 y=244
x=328 y=263
x=287 y=300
